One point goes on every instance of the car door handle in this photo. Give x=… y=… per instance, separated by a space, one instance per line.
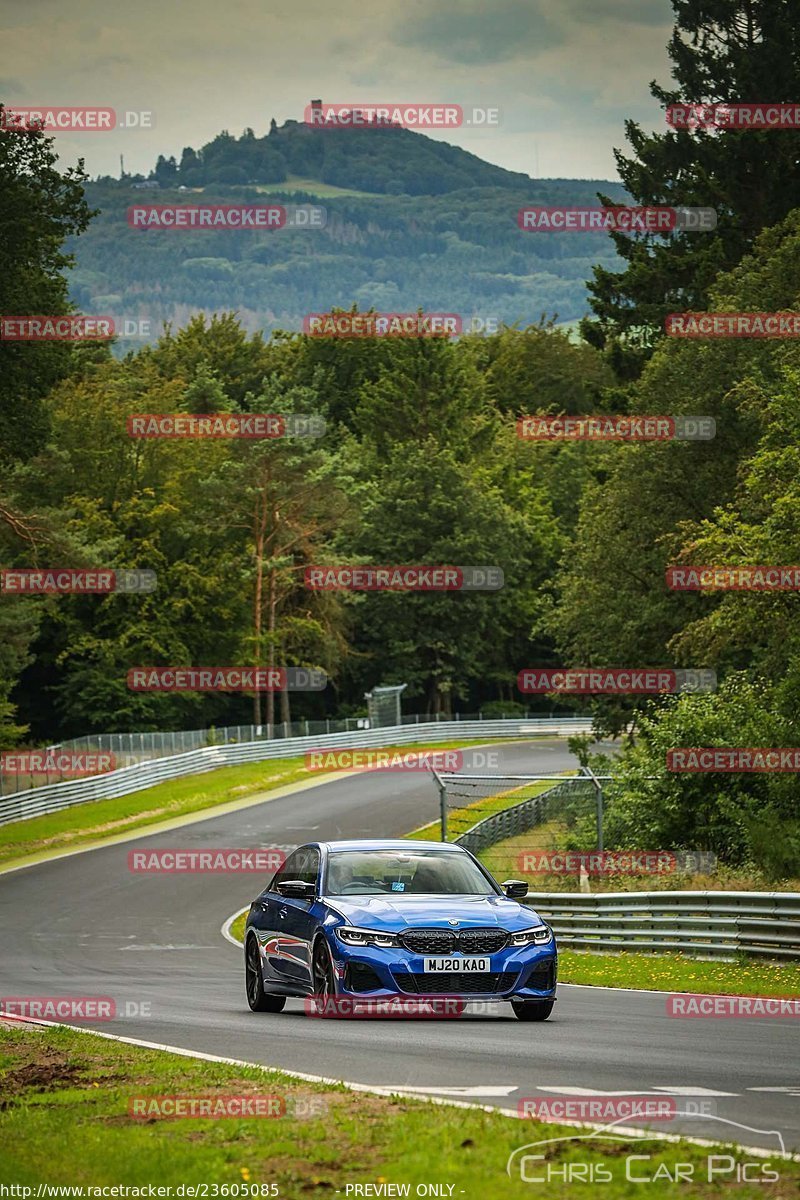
x=283 y=912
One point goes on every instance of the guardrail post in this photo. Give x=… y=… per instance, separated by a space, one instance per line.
x=442 y=805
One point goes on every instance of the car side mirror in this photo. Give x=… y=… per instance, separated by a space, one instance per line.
x=515 y=889
x=297 y=889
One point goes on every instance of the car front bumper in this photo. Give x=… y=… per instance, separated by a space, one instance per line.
x=523 y=973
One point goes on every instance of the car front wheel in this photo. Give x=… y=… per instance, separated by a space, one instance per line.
x=324 y=982
x=532 y=1010
x=257 y=998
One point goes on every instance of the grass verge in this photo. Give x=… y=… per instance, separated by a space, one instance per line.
x=679 y=973
x=506 y=860
x=99 y=820
x=237 y=928
x=312 y=187
x=65 y=1121
x=459 y=820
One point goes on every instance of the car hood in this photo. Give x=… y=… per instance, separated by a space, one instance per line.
x=393 y=913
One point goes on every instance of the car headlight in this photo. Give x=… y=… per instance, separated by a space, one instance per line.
x=365 y=937
x=532 y=937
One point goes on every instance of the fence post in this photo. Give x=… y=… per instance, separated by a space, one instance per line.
x=600 y=816
x=442 y=805
x=598 y=790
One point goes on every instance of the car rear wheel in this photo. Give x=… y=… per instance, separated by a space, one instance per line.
x=257 y=998
x=532 y=1010
x=324 y=982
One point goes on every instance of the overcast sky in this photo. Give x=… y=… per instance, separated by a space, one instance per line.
x=564 y=73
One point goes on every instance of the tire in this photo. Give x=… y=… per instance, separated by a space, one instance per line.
x=532 y=1010
x=323 y=979
x=257 y=998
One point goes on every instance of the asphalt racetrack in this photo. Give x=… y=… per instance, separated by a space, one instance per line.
x=86 y=925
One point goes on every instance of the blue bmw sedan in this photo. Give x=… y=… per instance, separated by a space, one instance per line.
x=372 y=920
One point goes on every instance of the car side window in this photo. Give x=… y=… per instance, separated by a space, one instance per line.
x=308 y=868
x=302 y=864
x=287 y=871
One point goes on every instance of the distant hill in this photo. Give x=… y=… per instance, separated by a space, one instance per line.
x=411 y=222
x=390 y=162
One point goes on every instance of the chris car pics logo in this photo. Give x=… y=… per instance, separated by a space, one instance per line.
x=606 y=1155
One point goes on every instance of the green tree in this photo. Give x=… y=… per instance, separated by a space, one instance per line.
x=39 y=207
x=741 y=817
x=278 y=500
x=722 y=51
x=611 y=606
x=429 y=480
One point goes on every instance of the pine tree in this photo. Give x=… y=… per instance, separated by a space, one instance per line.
x=723 y=51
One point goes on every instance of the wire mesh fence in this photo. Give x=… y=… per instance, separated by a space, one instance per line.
x=504 y=819
x=129 y=749
x=549 y=831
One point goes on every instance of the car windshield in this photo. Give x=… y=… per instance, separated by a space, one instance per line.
x=415 y=872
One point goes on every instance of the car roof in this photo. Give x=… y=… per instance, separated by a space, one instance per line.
x=389 y=844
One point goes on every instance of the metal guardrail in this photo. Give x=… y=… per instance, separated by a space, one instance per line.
x=716 y=925
x=56 y=796
x=705 y=924
x=131 y=748
x=524 y=816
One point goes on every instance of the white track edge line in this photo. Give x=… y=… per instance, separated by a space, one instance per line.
x=447 y=1101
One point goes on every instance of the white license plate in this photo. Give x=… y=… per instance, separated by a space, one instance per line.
x=438 y=965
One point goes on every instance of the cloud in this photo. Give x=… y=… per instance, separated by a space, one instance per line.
x=643 y=12
x=564 y=73
x=474 y=33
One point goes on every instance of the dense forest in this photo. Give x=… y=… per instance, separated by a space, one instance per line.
x=421 y=462
x=410 y=222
